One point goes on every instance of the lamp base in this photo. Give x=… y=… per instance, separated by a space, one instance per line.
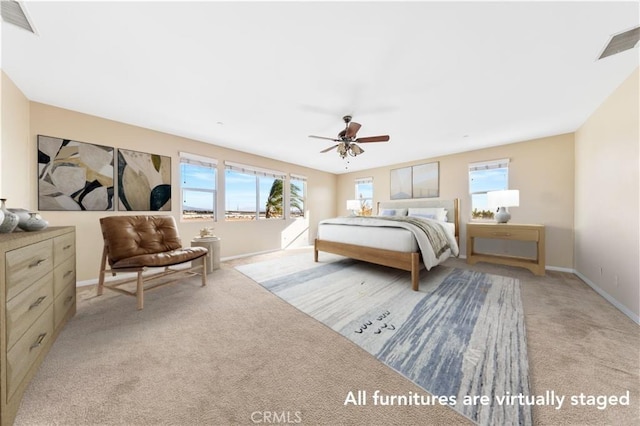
x=502 y=216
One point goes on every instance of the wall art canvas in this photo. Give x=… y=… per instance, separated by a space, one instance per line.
x=401 y=183
x=144 y=181
x=425 y=180
x=74 y=176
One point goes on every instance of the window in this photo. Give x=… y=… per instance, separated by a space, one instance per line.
x=198 y=187
x=484 y=177
x=252 y=193
x=364 y=194
x=297 y=193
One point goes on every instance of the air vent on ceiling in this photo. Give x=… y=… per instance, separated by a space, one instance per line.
x=14 y=12
x=620 y=42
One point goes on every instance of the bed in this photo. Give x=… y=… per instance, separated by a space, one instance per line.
x=390 y=238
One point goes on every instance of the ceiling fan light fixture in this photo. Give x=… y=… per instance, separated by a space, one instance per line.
x=342 y=150
x=355 y=149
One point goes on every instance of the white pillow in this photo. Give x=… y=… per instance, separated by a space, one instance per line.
x=440 y=213
x=393 y=212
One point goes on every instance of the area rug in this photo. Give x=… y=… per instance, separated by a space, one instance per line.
x=461 y=337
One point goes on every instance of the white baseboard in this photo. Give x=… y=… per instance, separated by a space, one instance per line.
x=635 y=318
x=560 y=269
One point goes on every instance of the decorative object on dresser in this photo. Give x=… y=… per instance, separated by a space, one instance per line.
x=501 y=200
x=507 y=231
x=37 y=297
x=30 y=221
x=137 y=243
x=8 y=219
x=23 y=214
x=33 y=223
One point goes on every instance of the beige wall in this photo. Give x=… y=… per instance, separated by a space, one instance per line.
x=541 y=169
x=607 y=194
x=15 y=173
x=19 y=181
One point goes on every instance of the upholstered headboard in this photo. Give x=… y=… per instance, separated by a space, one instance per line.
x=452 y=206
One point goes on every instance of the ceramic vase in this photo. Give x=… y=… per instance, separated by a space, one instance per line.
x=34 y=223
x=10 y=220
x=23 y=215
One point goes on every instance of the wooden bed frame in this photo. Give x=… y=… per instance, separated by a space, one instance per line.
x=407 y=261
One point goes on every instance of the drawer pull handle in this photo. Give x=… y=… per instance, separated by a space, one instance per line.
x=38 y=342
x=68 y=246
x=501 y=234
x=68 y=299
x=66 y=274
x=37 y=263
x=37 y=302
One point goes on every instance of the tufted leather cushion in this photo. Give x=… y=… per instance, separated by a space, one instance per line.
x=136 y=241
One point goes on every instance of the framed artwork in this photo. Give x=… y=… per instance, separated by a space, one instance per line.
x=74 y=176
x=144 y=181
x=425 y=180
x=401 y=183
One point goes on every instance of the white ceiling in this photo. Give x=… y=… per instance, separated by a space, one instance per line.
x=439 y=77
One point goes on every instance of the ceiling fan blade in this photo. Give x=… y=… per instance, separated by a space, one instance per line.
x=352 y=129
x=329 y=149
x=382 y=138
x=322 y=137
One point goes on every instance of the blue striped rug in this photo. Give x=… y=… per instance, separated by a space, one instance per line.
x=462 y=335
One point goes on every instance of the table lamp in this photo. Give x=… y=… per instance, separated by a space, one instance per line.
x=501 y=200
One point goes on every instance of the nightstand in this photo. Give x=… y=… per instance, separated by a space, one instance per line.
x=507 y=231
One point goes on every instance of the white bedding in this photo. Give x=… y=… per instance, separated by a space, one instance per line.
x=381 y=234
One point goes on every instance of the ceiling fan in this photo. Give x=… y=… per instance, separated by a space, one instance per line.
x=347 y=139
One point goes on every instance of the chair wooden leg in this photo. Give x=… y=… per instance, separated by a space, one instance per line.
x=140 y=292
x=204 y=273
x=103 y=265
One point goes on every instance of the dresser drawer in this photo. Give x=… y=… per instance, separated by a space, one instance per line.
x=27 y=264
x=64 y=274
x=27 y=306
x=64 y=246
x=63 y=302
x=505 y=233
x=27 y=348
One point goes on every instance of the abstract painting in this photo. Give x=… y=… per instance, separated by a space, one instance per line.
x=425 y=180
x=74 y=176
x=144 y=181
x=401 y=183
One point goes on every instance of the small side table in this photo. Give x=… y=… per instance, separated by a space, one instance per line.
x=507 y=231
x=213 y=257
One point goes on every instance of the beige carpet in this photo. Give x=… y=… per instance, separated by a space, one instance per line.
x=232 y=353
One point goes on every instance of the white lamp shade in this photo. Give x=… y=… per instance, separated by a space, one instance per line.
x=353 y=205
x=507 y=198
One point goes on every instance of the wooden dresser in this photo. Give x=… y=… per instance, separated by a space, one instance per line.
x=38 y=296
